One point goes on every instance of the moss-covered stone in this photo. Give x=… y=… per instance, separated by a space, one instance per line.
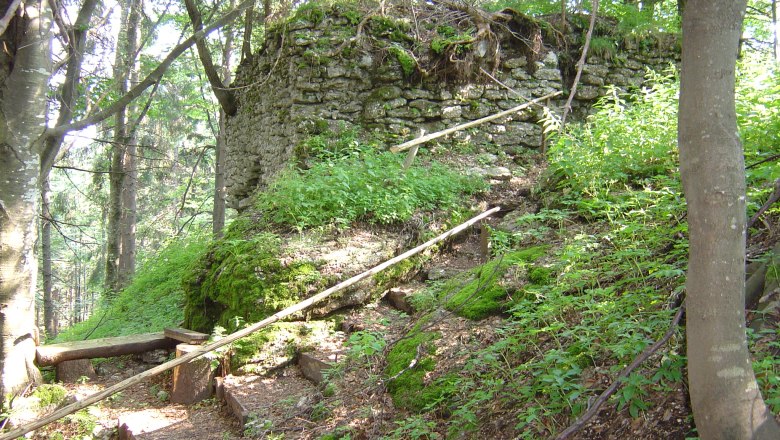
x=480 y=292
x=244 y=277
x=541 y=275
x=409 y=388
x=275 y=345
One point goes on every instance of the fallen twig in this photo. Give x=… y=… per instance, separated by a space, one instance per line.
x=646 y=353
x=771 y=201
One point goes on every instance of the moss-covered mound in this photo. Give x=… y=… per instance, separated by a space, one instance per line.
x=245 y=278
x=488 y=289
x=408 y=384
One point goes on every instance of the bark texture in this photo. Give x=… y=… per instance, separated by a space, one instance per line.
x=24 y=74
x=725 y=398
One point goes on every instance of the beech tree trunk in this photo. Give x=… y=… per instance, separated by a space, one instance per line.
x=24 y=74
x=725 y=398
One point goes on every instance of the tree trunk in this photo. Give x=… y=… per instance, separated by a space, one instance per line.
x=774 y=29
x=118 y=261
x=24 y=74
x=113 y=237
x=218 y=212
x=725 y=398
x=48 y=304
x=129 y=214
x=76 y=293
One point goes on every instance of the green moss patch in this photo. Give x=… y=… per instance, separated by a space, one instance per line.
x=481 y=291
x=409 y=390
x=245 y=278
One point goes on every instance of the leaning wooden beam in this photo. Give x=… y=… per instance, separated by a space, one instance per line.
x=104 y=347
x=438 y=134
x=70 y=409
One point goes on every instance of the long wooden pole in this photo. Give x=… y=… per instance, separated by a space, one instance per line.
x=70 y=409
x=438 y=134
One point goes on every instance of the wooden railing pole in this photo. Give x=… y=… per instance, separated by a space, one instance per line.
x=70 y=409
x=438 y=134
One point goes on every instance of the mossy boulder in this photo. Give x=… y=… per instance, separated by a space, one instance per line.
x=409 y=388
x=245 y=278
x=251 y=273
x=487 y=289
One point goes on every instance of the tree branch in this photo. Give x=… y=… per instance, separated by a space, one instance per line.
x=581 y=62
x=226 y=98
x=771 y=201
x=69 y=90
x=9 y=15
x=153 y=76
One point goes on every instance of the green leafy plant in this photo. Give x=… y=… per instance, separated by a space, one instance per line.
x=415 y=427
x=370 y=186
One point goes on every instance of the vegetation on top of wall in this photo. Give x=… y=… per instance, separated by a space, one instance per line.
x=353 y=182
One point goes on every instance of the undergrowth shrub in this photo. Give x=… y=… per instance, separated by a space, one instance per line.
x=616 y=268
x=347 y=185
x=153 y=300
x=629 y=138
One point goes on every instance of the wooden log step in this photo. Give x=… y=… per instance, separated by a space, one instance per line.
x=247 y=395
x=104 y=347
x=186 y=336
x=191 y=381
x=313 y=365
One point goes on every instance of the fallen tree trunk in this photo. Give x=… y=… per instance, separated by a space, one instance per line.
x=104 y=347
x=438 y=134
x=70 y=409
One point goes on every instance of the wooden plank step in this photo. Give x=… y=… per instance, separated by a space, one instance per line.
x=186 y=336
x=104 y=347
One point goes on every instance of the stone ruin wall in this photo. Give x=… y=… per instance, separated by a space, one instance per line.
x=286 y=95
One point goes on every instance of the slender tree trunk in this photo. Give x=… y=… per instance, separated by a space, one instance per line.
x=120 y=239
x=129 y=213
x=218 y=213
x=774 y=30
x=725 y=398
x=246 y=46
x=48 y=304
x=24 y=74
x=113 y=237
x=55 y=294
x=76 y=293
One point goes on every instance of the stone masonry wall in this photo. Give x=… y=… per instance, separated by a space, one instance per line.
x=294 y=88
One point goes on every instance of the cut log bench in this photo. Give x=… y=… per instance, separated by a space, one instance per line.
x=191 y=382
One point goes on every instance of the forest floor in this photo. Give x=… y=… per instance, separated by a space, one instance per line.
x=287 y=406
